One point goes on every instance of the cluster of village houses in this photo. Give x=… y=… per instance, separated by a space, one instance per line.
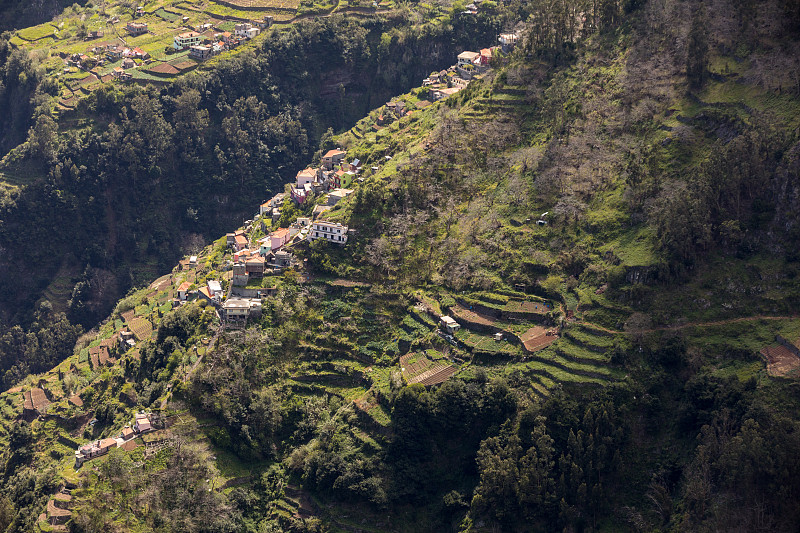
x=141 y=425
x=202 y=43
x=270 y=254
x=469 y=66
x=251 y=261
x=205 y=44
x=333 y=177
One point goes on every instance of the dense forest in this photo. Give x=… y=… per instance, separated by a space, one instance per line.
x=632 y=167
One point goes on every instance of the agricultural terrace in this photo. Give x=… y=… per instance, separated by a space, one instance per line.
x=89 y=29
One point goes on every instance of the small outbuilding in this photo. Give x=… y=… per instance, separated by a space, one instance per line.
x=449 y=325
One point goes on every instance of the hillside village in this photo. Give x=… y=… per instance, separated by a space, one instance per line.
x=549 y=289
x=159 y=41
x=234 y=278
x=330 y=182
x=156 y=42
x=198 y=43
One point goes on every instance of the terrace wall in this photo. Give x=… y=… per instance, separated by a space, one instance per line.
x=493 y=312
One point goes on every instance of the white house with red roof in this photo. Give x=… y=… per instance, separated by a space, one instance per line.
x=183 y=290
x=308 y=175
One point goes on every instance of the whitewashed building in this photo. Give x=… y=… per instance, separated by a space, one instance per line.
x=332 y=231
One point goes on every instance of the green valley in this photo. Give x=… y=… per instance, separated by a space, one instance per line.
x=329 y=282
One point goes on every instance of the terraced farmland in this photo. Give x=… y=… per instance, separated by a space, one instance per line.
x=36 y=33
x=418 y=368
x=141 y=328
x=502 y=306
x=288 y=5
x=487 y=344
x=580 y=356
x=504 y=99
x=537 y=338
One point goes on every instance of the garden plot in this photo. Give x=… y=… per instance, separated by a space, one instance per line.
x=781 y=361
x=538 y=338
x=141 y=328
x=486 y=343
x=470 y=317
x=417 y=368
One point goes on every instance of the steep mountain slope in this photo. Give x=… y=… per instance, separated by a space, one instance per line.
x=614 y=200
x=135 y=176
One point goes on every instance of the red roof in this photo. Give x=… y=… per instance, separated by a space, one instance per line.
x=164 y=68
x=184 y=286
x=486 y=52
x=241 y=239
x=255 y=259
x=129 y=446
x=204 y=292
x=307 y=172
x=281 y=233
x=332 y=153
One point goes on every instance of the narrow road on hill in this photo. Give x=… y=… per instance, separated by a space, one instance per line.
x=693 y=324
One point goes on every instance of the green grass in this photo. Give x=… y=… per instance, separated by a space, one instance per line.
x=743 y=371
x=584 y=337
x=783 y=108
x=551 y=355
x=748 y=337
x=571 y=349
x=487 y=343
x=167 y=16
x=560 y=376
x=634 y=248
x=35 y=33
x=380 y=414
